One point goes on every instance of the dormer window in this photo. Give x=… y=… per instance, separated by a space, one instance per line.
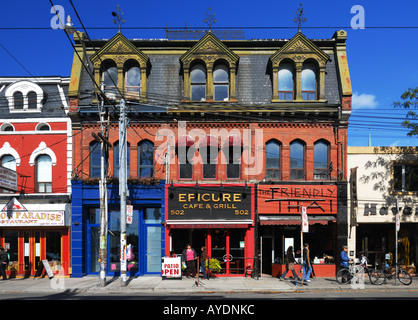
x=24 y=96
x=286 y=81
x=110 y=78
x=132 y=79
x=221 y=83
x=198 y=83
x=18 y=100
x=308 y=83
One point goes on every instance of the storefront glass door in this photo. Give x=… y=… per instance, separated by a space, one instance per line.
x=219 y=248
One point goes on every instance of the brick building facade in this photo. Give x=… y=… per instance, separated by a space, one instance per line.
x=264 y=113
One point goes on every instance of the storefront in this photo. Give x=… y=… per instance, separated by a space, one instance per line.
x=279 y=212
x=144 y=232
x=31 y=233
x=219 y=217
x=376 y=233
x=385 y=184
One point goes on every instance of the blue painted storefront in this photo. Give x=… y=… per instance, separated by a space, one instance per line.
x=145 y=234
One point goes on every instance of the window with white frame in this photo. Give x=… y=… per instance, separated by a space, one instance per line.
x=24 y=96
x=43 y=174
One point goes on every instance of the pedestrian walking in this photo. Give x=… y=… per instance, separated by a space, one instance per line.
x=307 y=267
x=4 y=260
x=203 y=259
x=290 y=264
x=189 y=256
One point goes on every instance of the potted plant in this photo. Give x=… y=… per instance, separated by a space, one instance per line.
x=214 y=265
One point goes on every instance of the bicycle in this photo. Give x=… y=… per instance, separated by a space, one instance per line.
x=346 y=276
x=402 y=275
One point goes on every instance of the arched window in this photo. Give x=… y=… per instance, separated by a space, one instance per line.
x=95 y=159
x=145 y=159
x=308 y=82
x=297 y=160
x=133 y=79
x=198 y=83
x=32 y=100
x=286 y=81
x=42 y=127
x=116 y=166
x=9 y=162
x=221 y=83
x=321 y=154
x=43 y=174
x=110 y=77
x=18 y=100
x=7 y=127
x=273 y=160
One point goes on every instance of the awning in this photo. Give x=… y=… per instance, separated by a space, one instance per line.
x=294 y=220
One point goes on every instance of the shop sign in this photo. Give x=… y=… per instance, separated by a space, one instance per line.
x=288 y=199
x=171 y=267
x=305 y=224
x=8 y=179
x=208 y=202
x=31 y=218
x=372 y=209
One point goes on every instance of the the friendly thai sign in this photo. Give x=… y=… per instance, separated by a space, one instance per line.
x=289 y=199
x=207 y=202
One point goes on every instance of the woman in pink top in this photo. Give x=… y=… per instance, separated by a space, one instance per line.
x=189 y=256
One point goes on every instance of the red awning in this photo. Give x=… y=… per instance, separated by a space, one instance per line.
x=295 y=220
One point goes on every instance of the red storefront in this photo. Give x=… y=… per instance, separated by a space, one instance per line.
x=279 y=209
x=219 y=217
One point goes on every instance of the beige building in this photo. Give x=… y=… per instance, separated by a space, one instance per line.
x=383 y=176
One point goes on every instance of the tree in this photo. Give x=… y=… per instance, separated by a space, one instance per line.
x=409 y=102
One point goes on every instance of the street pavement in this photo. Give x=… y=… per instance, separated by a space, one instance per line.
x=157 y=285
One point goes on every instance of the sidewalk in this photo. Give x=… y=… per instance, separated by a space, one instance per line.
x=155 y=284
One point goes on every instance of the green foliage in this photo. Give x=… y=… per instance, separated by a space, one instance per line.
x=214 y=265
x=409 y=101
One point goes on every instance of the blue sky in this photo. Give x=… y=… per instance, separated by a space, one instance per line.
x=382 y=57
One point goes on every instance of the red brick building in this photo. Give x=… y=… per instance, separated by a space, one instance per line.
x=222 y=124
x=35 y=144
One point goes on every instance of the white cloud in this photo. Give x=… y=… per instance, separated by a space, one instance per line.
x=364 y=101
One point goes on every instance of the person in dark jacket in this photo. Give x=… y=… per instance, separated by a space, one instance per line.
x=4 y=260
x=289 y=262
x=203 y=258
x=189 y=256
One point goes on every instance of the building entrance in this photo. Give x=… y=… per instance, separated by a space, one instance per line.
x=227 y=245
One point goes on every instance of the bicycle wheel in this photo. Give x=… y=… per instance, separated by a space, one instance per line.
x=377 y=277
x=404 y=277
x=343 y=276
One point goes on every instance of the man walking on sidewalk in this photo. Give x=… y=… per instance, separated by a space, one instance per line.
x=4 y=260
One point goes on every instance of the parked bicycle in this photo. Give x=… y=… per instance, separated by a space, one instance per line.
x=358 y=271
x=402 y=275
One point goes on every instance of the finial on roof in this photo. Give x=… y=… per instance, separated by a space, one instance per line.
x=299 y=17
x=118 y=17
x=210 y=18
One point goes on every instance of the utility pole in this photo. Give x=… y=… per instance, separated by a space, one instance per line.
x=103 y=196
x=122 y=188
